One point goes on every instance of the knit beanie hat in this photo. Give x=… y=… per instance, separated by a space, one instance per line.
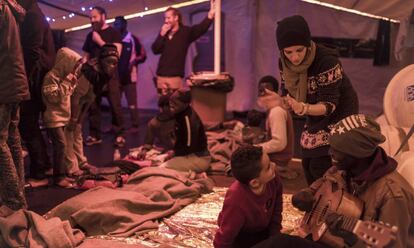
x=108 y=50
x=293 y=31
x=356 y=135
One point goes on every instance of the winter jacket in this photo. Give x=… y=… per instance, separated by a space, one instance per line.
x=13 y=82
x=38 y=48
x=389 y=199
x=58 y=86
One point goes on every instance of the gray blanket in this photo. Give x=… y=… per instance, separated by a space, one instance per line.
x=28 y=229
x=221 y=145
x=150 y=194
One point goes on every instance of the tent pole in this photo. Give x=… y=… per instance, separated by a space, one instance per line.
x=217 y=38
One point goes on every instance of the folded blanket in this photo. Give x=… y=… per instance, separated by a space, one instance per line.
x=221 y=145
x=28 y=229
x=149 y=195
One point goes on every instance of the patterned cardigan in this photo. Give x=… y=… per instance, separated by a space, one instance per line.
x=329 y=85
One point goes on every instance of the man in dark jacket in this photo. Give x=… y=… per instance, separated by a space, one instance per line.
x=39 y=57
x=13 y=90
x=362 y=168
x=172 y=43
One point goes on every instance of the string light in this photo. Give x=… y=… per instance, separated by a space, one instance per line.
x=71 y=15
x=142 y=14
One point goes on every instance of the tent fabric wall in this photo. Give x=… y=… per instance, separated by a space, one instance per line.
x=239 y=30
x=369 y=81
x=251 y=51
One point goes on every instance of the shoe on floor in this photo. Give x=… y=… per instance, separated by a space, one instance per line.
x=90 y=141
x=286 y=172
x=120 y=141
x=36 y=183
x=76 y=174
x=65 y=183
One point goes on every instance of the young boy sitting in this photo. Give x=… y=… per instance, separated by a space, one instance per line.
x=190 y=148
x=252 y=208
x=160 y=129
x=279 y=126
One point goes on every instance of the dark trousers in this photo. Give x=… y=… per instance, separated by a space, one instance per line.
x=114 y=96
x=11 y=160
x=33 y=139
x=57 y=135
x=314 y=168
x=130 y=91
x=285 y=240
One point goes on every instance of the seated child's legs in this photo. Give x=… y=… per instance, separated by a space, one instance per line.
x=190 y=162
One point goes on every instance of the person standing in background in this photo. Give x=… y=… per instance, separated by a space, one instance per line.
x=172 y=43
x=100 y=35
x=13 y=90
x=133 y=53
x=39 y=57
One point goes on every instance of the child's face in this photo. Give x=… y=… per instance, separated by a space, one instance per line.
x=268 y=101
x=268 y=170
x=176 y=106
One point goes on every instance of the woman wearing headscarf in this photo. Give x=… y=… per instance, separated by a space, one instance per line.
x=318 y=89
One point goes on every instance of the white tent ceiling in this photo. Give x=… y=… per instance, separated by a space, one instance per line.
x=114 y=8
x=394 y=9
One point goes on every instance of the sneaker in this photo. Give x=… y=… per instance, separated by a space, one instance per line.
x=36 y=183
x=90 y=141
x=120 y=141
x=65 y=182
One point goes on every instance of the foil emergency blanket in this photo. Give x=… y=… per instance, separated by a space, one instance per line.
x=196 y=224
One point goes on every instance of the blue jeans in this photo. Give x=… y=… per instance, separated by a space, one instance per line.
x=11 y=160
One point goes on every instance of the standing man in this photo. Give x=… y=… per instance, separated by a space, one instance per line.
x=133 y=53
x=13 y=90
x=100 y=35
x=172 y=43
x=39 y=57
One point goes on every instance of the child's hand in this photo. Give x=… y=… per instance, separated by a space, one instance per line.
x=170 y=155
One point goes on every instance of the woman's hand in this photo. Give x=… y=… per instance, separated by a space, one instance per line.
x=297 y=107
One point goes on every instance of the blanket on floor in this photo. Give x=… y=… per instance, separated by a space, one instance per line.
x=149 y=195
x=28 y=229
x=221 y=145
x=195 y=225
